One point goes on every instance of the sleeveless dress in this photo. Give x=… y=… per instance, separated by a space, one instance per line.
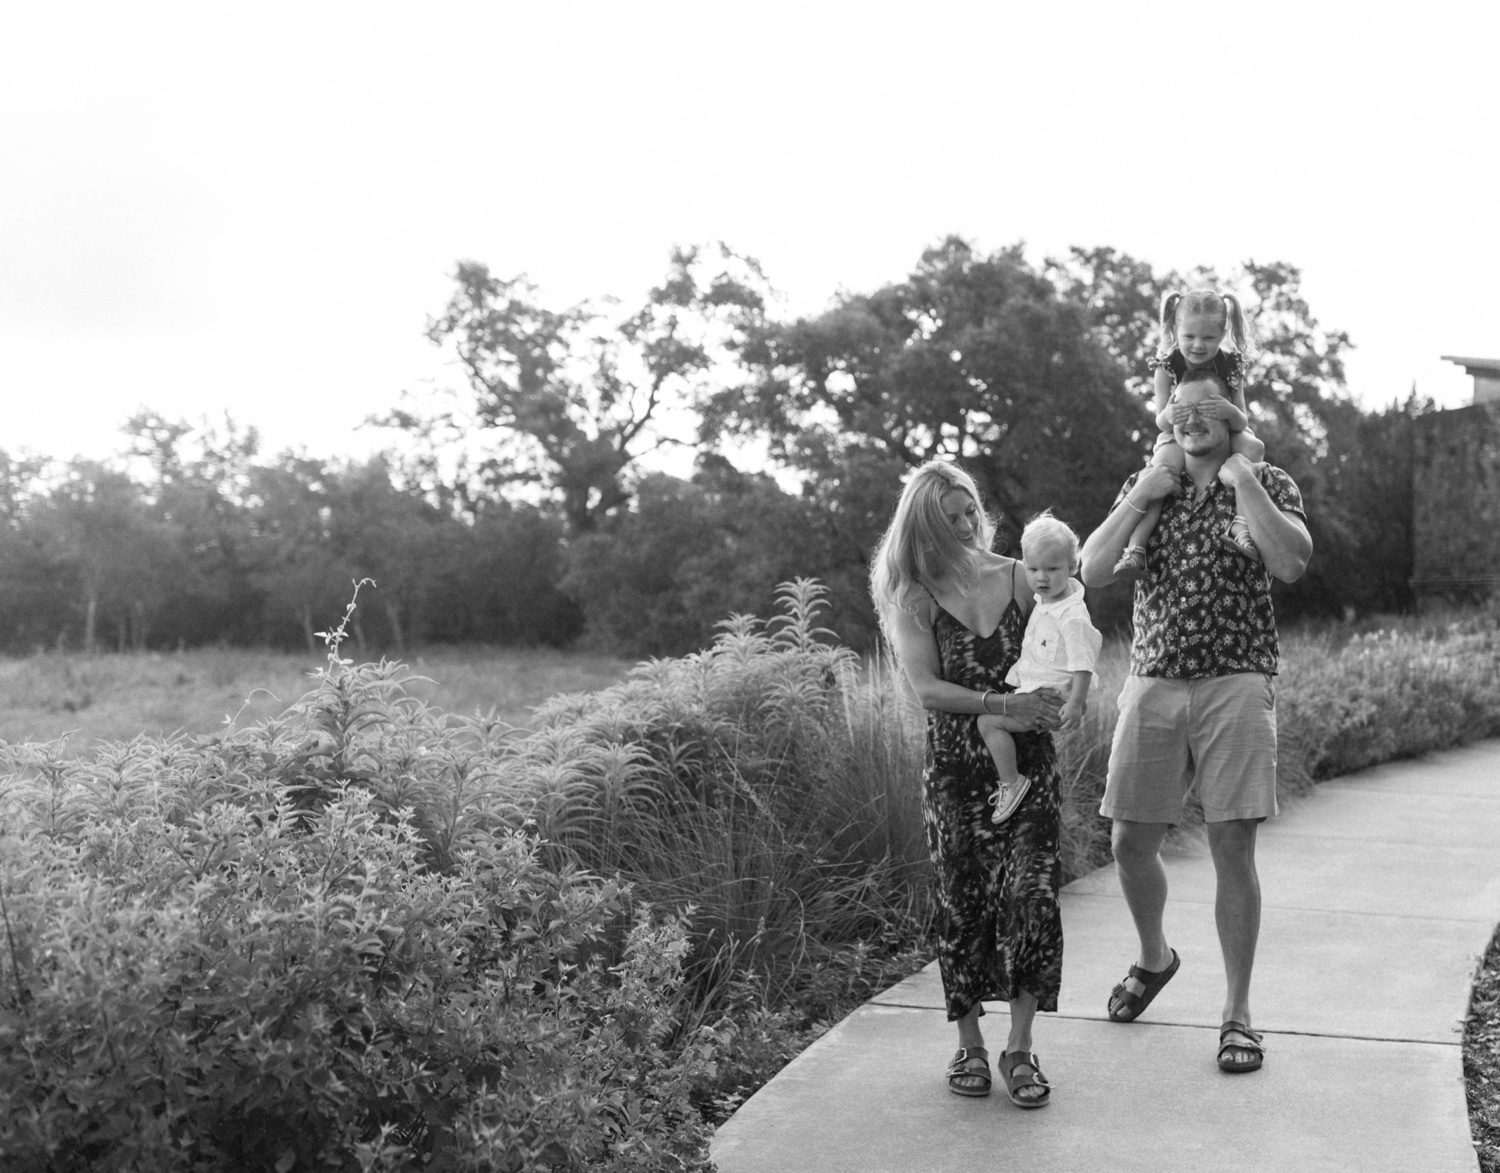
x=999 y=925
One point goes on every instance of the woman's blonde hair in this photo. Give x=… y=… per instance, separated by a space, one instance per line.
x=920 y=546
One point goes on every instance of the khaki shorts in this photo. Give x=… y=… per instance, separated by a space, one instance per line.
x=1217 y=733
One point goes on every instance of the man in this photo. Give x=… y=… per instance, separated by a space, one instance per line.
x=1199 y=705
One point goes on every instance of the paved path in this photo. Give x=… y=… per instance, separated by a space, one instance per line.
x=1380 y=893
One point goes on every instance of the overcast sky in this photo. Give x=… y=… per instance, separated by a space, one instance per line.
x=254 y=208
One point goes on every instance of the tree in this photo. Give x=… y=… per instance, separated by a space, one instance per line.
x=296 y=569
x=107 y=541
x=35 y=587
x=502 y=582
x=659 y=578
x=977 y=358
x=1362 y=518
x=1121 y=297
x=200 y=478
x=393 y=536
x=575 y=400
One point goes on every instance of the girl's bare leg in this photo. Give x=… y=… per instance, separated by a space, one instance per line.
x=1132 y=563
x=1237 y=536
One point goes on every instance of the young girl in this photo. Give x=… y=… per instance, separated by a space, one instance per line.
x=1058 y=650
x=1193 y=327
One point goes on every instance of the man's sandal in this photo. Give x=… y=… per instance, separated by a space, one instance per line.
x=1020 y=1070
x=1125 y=1005
x=966 y=1080
x=1252 y=1043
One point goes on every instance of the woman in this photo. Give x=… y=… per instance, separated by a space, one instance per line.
x=955 y=613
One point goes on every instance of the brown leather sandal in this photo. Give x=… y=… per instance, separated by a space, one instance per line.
x=1125 y=1005
x=1253 y=1044
x=1016 y=1079
x=961 y=1069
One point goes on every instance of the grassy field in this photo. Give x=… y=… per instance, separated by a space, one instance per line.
x=115 y=697
x=761 y=798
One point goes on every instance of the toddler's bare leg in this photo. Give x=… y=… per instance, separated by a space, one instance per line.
x=1000 y=743
x=996 y=732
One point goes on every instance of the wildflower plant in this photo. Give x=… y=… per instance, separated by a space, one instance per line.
x=367 y=934
x=321 y=944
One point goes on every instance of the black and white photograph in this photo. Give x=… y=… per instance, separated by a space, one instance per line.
x=671 y=588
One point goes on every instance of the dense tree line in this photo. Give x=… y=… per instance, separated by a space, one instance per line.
x=522 y=507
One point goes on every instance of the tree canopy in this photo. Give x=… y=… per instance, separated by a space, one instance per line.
x=574 y=398
x=528 y=509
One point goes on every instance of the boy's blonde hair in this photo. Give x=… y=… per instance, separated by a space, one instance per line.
x=1046 y=530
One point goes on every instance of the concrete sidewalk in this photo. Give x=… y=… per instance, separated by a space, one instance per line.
x=1380 y=893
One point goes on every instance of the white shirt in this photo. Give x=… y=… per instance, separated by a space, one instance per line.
x=1060 y=640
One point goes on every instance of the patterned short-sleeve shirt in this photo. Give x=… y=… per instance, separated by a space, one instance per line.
x=1203 y=609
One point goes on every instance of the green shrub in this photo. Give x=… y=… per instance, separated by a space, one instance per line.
x=769 y=787
x=367 y=934
x=319 y=945
x=1391 y=693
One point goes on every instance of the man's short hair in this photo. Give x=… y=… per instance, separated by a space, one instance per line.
x=1206 y=375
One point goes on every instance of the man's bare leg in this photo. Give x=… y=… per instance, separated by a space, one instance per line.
x=1143 y=879
x=1237 y=915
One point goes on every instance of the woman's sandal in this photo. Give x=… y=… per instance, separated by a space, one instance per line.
x=1257 y=1049
x=1010 y=1064
x=975 y=1082
x=1006 y=799
x=1125 y=1005
x=961 y=1069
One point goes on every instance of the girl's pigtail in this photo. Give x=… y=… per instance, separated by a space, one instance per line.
x=1168 y=343
x=1239 y=329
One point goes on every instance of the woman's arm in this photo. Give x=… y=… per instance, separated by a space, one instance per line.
x=916 y=651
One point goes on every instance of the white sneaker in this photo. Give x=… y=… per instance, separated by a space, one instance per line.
x=1007 y=798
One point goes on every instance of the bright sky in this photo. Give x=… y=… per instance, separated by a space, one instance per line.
x=253 y=208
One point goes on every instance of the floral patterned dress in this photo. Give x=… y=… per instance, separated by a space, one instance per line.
x=999 y=926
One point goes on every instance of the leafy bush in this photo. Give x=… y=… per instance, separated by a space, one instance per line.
x=287 y=950
x=1390 y=693
x=367 y=934
x=770 y=788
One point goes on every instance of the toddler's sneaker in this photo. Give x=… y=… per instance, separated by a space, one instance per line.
x=1008 y=796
